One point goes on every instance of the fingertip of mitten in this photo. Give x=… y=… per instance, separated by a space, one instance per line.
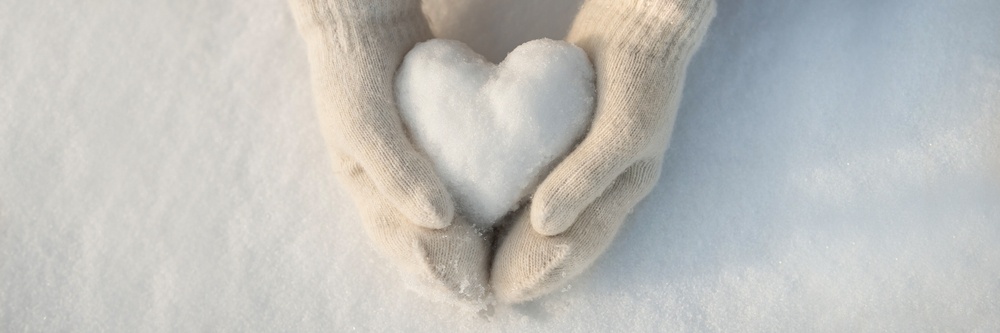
x=547 y=227
x=546 y=220
x=522 y=279
x=433 y=214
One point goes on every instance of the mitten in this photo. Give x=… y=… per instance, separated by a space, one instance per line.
x=355 y=48
x=640 y=50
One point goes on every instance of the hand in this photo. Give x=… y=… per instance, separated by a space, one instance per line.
x=355 y=47
x=640 y=50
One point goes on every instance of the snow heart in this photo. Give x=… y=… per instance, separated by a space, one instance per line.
x=492 y=131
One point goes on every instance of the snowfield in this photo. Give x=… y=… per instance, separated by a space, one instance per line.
x=835 y=167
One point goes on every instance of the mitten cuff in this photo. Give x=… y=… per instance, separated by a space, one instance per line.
x=649 y=26
x=351 y=24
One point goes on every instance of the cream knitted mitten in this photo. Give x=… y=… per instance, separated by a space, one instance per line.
x=355 y=47
x=640 y=50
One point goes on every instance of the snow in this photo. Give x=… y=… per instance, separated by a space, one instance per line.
x=491 y=130
x=835 y=167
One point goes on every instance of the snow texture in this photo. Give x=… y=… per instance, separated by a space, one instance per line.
x=492 y=130
x=835 y=167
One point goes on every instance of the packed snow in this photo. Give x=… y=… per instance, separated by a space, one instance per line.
x=835 y=166
x=491 y=131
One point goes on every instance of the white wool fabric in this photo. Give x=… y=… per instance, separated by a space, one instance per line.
x=640 y=50
x=355 y=47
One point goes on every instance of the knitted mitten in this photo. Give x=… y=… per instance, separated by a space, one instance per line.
x=355 y=47
x=640 y=50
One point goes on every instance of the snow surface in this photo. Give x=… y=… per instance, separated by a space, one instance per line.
x=835 y=167
x=492 y=130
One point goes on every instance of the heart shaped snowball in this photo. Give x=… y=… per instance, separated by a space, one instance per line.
x=492 y=131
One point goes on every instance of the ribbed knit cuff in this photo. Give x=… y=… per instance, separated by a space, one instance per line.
x=355 y=23
x=374 y=12
x=650 y=26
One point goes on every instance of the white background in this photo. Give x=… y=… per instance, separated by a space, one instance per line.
x=835 y=167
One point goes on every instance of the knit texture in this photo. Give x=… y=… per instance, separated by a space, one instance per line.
x=355 y=48
x=640 y=50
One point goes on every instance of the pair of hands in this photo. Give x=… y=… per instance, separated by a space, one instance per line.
x=639 y=49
